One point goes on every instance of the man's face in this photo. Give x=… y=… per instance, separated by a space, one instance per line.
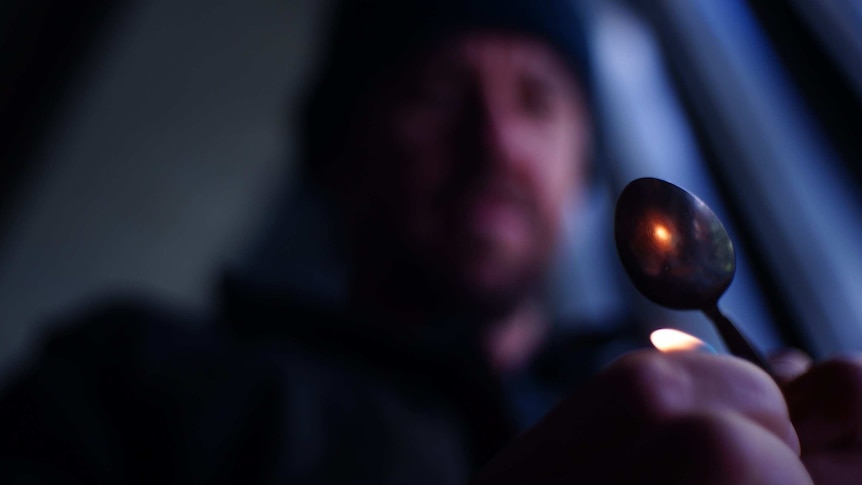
x=465 y=161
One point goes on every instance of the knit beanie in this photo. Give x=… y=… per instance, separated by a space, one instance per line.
x=369 y=37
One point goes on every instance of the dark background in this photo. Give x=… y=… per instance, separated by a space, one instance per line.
x=142 y=141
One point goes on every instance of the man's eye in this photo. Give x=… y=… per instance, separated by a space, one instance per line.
x=537 y=100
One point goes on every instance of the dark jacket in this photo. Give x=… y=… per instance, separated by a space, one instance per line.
x=267 y=391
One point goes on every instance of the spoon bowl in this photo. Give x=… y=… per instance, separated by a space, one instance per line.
x=673 y=247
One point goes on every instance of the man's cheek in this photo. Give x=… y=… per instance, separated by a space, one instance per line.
x=427 y=165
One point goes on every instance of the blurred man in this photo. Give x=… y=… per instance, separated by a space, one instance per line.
x=450 y=137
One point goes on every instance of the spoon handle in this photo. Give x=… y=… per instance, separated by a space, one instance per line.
x=736 y=343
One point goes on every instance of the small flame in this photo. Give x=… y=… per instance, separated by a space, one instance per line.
x=670 y=340
x=662 y=234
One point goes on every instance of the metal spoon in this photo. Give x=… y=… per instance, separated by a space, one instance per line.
x=677 y=254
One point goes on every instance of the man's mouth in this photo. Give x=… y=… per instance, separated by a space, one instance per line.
x=496 y=220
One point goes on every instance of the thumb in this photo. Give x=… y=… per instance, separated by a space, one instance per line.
x=788 y=364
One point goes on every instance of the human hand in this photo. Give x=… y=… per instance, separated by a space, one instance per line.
x=680 y=418
x=825 y=403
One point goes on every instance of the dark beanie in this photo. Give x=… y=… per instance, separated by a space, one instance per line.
x=368 y=37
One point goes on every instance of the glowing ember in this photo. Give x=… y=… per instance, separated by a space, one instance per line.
x=670 y=340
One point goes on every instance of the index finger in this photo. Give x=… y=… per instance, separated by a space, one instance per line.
x=654 y=387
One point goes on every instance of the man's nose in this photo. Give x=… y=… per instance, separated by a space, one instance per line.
x=493 y=136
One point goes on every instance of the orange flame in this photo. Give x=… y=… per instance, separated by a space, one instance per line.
x=670 y=340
